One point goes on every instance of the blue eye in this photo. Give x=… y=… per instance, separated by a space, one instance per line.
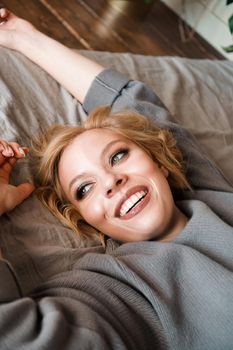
x=117 y=157
x=83 y=190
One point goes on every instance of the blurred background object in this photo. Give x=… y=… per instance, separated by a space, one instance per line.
x=212 y=19
x=135 y=8
x=146 y=27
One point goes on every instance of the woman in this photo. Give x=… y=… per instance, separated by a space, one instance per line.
x=90 y=174
x=172 y=216
x=142 y=295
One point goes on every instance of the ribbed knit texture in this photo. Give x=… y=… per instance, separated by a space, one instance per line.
x=145 y=295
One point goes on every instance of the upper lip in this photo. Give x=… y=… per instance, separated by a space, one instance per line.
x=128 y=194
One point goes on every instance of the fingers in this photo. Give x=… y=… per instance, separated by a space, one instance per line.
x=3 y=11
x=12 y=149
x=24 y=190
x=5 y=168
x=5 y=149
x=6 y=165
x=19 y=152
x=10 y=152
x=4 y=14
x=16 y=195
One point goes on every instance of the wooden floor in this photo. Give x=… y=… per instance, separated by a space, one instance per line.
x=101 y=25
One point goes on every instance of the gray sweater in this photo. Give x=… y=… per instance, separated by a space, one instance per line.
x=144 y=295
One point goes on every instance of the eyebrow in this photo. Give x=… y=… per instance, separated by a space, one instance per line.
x=102 y=155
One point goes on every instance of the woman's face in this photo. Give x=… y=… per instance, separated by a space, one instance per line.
x=117 y=187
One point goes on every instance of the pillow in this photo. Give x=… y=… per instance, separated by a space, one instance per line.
x=197 y=92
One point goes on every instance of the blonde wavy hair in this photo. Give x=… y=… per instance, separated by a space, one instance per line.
x=48 y=147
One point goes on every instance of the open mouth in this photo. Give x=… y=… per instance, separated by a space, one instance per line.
x=132 y=203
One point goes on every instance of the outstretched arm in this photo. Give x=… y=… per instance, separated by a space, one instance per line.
x=67 y=67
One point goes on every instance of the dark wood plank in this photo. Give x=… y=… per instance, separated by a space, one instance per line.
x=38 y=15
x=129 y=28
x=157 y=33
x=97 y=25
x=84 y=24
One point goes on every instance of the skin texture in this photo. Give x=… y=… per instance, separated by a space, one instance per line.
x=110 y=169
x=20 y=35
x=49 y=54
x=11 y=196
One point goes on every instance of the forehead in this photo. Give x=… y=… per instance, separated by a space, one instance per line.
x=87 y=146
x=94 y=140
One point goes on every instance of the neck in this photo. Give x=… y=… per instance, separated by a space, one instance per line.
x=177 y=225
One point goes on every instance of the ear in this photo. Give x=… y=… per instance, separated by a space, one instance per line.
x=164 y=171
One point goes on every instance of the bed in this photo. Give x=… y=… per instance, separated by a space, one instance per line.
x=197 y=92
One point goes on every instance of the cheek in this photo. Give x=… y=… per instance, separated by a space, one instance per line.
x=148 y=170
x=92 y=211
x=141 y=164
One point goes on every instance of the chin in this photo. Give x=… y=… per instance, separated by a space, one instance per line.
x=143 y=237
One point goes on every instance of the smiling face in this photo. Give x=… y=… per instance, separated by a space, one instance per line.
x=118 y=188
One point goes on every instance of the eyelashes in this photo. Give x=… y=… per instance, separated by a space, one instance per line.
x=83 y=190
x=117 y=156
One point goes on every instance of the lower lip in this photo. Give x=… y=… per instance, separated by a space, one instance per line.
x=137 y=209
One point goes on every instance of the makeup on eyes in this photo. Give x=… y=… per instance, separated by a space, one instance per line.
x=118 y=155
x=79 y=193
x=84 y=188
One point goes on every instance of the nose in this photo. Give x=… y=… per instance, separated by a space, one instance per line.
x=113 y=183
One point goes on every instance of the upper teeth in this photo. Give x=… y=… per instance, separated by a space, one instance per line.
x=130 y=202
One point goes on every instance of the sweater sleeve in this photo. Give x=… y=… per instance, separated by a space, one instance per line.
x=9 y=287
x=41 y=322
x=113 y=89
x=77 y=309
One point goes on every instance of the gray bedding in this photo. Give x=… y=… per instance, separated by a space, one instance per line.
x=197 y=92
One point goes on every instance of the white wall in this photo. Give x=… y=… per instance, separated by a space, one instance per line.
x=209 y=18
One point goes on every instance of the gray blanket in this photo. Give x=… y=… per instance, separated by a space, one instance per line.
x=177 y=295
x=197 y=92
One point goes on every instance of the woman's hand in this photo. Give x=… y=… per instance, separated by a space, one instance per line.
x=11 y=196
x=13 y=30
